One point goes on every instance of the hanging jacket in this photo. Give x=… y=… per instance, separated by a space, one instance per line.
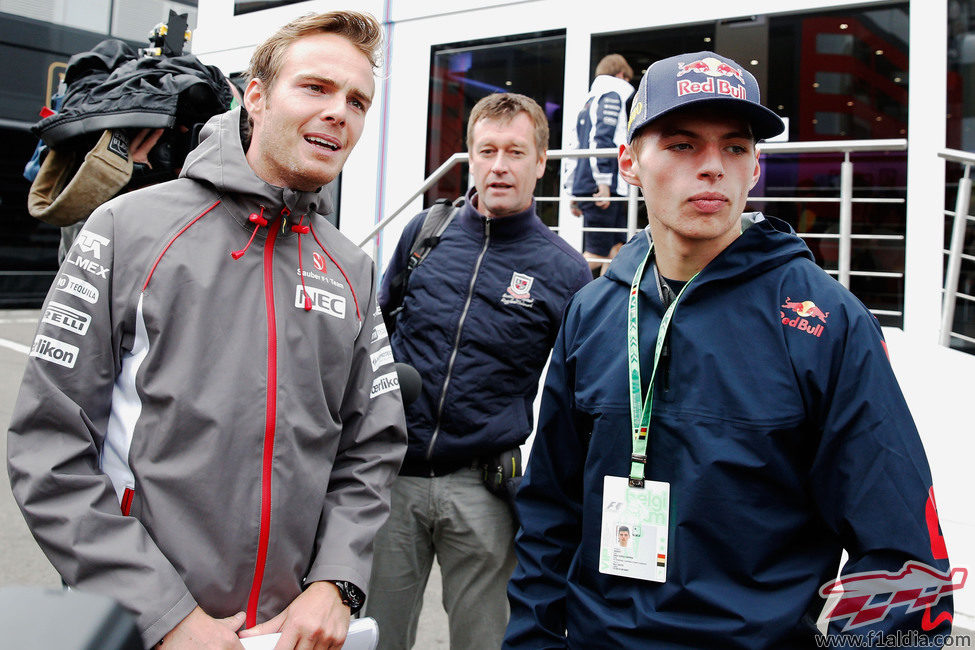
x=779 y=425
x=210 y=414
x=110 y=87
x=601 y=124
x=478 y=321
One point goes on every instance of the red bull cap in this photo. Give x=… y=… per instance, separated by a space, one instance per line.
x=698 y=78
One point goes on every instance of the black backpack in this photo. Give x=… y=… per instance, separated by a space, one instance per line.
x=439 y=216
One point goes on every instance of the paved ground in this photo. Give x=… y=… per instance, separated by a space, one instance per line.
x=22 y=563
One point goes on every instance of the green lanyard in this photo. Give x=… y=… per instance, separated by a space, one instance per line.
x=640 y=411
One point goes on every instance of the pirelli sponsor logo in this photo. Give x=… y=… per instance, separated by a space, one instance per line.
x=381 y=358
x=321 y=300
x=384 y=384
x=76 y=287
x=66 y=318
x=54 y=351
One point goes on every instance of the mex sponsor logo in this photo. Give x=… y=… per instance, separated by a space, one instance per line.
x=54 y=351
x=89 y=242
x=76 y=287
x=66 y=318
x=321 y=300
x=91 y=266
x=806 y=314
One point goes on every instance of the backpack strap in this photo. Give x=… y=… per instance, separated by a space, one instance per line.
x=438 y=217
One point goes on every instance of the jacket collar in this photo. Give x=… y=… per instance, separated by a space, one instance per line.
x=513 y=226
x=604 y=83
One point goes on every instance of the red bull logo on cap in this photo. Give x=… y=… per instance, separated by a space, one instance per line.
x=805 y=311
x=715 y=70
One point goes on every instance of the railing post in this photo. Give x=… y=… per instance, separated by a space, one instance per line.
x=846 y=219
x=632 y=208
x=954 y=256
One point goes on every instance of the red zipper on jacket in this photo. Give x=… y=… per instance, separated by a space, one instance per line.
x=269 y=419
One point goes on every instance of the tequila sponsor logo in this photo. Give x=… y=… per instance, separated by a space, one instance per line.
x=66 y=318
x=54 y=351
x=77 y=287
x=323 y=301
x=381 y=358
x=89 y=242
x=384 y=384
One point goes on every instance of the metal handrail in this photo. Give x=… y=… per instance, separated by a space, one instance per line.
x=846 y=200
x=955 y=255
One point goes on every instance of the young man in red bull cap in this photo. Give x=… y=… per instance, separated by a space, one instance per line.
x=731 y=404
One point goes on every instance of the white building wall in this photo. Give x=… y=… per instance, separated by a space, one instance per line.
x=937 y=381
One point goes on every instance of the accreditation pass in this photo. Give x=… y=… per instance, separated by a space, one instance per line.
x=633 y=537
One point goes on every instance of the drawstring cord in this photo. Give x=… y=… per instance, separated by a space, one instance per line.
x=339 y=267
x=302 y=230
x=259 y=222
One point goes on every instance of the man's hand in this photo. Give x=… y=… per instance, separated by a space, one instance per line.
x=198 y=630
x=603 y=193
x=315 y=620
x=574 y=209
x=142 y=143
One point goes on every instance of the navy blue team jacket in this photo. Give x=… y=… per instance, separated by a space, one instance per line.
x=479 y=319
x=784 y=436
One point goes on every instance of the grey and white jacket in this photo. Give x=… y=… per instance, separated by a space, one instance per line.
x=210 y=414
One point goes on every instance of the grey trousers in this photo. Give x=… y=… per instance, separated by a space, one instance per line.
x=471 y=533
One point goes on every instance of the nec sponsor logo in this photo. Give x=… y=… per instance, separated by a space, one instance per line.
x=323 y=301
x=66 y=318
x=381 y=358
x=91 y=266
x=89 y=242
x=54 y=351
x=384 y=384
x=77 y=287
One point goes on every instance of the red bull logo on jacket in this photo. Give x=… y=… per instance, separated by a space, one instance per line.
x=806 y=311
x=715 y=82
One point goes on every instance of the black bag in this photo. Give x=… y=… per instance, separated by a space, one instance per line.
x=438 y=218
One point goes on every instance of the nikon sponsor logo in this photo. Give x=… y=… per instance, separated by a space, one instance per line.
x=66 y=318
x=54 y=351
x=384 y=384
x=77 y=287
x=323 y=301
x=381 y=358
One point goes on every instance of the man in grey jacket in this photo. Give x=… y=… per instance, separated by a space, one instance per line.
x=210 y=419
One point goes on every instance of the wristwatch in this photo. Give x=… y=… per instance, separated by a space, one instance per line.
x=352 y=597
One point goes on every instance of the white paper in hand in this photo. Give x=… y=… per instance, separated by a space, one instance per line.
x=363 y=635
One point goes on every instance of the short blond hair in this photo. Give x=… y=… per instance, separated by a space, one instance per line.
x=504 y=107
x=612 y=65
x=361 y=29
